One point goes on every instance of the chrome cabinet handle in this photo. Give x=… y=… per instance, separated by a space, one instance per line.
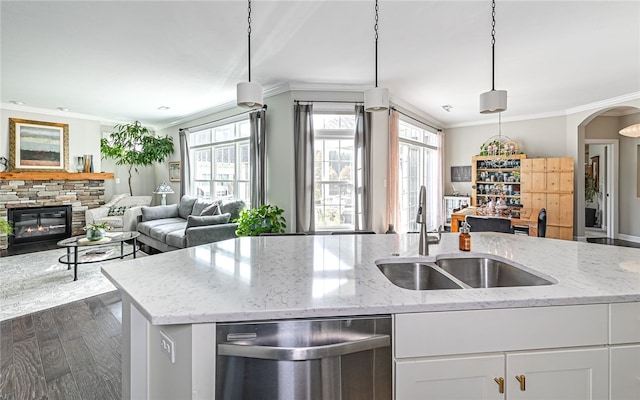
x=303 y=353
x=522 y=380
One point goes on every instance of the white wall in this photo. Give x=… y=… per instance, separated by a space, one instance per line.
x=629 y=199
x=544 y=137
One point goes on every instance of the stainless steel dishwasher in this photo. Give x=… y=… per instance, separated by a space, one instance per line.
x=318 y=359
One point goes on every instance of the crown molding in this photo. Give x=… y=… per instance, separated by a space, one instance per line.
x=615 y=101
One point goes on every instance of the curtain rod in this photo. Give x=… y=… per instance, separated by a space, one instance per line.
x=415 y=119
x=264 y=107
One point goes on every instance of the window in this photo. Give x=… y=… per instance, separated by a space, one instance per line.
x=220 y=157
x=419 y=165
x=333 y=173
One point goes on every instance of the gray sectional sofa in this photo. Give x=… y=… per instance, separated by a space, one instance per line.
x=189 y=223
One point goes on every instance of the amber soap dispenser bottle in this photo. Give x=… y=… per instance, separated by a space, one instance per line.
x=465 y=237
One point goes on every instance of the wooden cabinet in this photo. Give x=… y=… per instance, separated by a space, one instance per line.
x=489 y=180
x=548 y=183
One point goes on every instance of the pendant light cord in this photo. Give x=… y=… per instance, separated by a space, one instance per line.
x=249 y=38
x=375 y=27
x=493 y=44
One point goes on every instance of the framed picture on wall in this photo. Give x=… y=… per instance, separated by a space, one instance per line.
x=174 y=171
x=595 y=171
x=38 y=146
x=461 y=174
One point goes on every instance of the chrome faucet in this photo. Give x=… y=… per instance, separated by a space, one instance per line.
x=421 y=219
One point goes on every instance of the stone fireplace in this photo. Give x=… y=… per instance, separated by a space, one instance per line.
x=80 y=191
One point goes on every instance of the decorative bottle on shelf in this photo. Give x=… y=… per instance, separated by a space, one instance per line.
x=465 y=237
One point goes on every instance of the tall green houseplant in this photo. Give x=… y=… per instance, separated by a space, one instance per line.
x=136 y=146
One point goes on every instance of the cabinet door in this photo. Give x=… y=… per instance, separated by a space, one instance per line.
x=460 y=378
x=625 y=372
x=558 y=375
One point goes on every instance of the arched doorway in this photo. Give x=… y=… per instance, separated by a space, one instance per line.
x=600 y=169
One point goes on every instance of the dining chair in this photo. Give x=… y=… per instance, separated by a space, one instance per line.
x=542 y=223
x=488 y=224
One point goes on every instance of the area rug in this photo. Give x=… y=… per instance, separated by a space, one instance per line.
x=37 y=281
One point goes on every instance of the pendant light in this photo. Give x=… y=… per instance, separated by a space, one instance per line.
x=494 y=100
x=249 y=94
x=376 y=99
x=631 y=131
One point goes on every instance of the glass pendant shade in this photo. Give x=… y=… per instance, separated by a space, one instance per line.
x=631 y=131
x=249 y=95
x=493 y=101
x=376 y=99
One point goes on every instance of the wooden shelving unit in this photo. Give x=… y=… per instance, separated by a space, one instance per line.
x=477 y=168
x=548 y=183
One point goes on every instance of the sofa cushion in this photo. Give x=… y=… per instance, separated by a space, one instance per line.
x=186 y=206
x=114 y=211
x=159 y=212
x=146 y=227
x=160 y=232
x=213 y=209
x=200 y=205
x=207 y=220
x=176 y=239
x=113 y=222
x=233 y=208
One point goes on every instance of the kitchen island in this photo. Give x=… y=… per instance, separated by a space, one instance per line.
x=185 y=293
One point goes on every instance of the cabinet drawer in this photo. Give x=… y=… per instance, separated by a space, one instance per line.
x=483 y=331
x=624 y=323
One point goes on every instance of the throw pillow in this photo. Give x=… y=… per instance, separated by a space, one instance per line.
x=200 y=205
x=186 y=206
x=207 y=220
x=116 y=211
x=213 y=209
x=158 y=212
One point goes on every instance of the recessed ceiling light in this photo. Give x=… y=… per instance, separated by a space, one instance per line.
x=16 y=102
x=163 y=108
x=63 y=109
x=447 y=107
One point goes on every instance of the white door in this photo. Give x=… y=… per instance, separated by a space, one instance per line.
x=625 y=372
x=459 y=378
x=558 y=375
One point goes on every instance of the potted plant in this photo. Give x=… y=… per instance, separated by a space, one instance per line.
x=5 y=227
x=136 y=146
x=263 y=219
x=96 y=230
x=591 y=193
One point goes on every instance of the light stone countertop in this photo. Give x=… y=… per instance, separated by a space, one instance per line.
x=284 y=277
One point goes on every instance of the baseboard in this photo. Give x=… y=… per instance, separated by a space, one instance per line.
x=629 y=238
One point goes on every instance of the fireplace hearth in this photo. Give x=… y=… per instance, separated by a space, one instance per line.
x=42 y=224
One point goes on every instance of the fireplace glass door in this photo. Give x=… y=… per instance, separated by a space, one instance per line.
x=32 y=225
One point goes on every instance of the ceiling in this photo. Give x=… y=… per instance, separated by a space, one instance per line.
x=122 y=60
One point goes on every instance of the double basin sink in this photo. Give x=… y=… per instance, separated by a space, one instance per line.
x=474 y=271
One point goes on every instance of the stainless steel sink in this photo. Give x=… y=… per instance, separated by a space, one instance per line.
x=459 y=273
x=482 y=272
x=417 y=276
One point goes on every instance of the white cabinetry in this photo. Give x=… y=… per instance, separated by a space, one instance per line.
x=454 y=203
x=533 y=351
x=624 y=353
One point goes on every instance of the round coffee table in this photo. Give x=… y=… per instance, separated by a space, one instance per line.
x=96 y=251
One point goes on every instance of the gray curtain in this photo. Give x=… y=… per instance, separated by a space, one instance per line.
x=257 y=154
x=363 y=169
x=185 y=171
x=303 y=163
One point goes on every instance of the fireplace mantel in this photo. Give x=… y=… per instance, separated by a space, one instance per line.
x=53 y=176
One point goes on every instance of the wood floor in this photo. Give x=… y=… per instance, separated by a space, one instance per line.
x=67 y=352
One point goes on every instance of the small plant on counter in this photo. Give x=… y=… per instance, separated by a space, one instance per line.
x=263 y=219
